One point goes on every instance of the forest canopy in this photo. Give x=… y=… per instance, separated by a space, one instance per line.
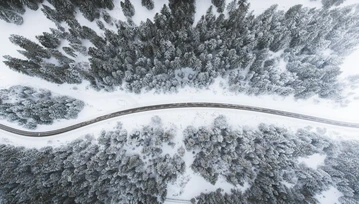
x=277 y=52
x=29 y=107
x=131 y=166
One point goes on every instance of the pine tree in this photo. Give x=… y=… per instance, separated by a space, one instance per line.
x=31 y=107
x=220 y=4
x=10 y=16
x=329 y=3
x=148 y=4
x=127 y=8
x=69 y=51
x=182 y=14
x=32 y=4
x=52 y=14
x=48 y=40
x=23 y=66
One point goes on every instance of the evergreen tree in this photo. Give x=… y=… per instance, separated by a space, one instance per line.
x=330 y=3
x=29 y=46
x=182 y=14
x=73 y=170
x=220 y=4
x=23 y=66
x=29 y=107
x=10 y=16
x=240 y=47
x=127 y=8
x=49 y=40
x=148 y=4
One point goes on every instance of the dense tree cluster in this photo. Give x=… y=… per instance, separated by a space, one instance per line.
x=330 y=3
x=127 y=8
x=149 y=4
x=11 y=10
x=106 y=170
x=30 y=107
x=294 y=52
x=266 y=159
x=132 y=167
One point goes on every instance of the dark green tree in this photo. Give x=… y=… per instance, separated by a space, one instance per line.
x=127 y=8
x=148 y=4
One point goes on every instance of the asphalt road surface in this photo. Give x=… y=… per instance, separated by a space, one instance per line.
x=176 y=106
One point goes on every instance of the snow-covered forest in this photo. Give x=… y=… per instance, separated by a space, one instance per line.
x=293 y=52
x=29 y=107
x=66 y=62
x=123 y=166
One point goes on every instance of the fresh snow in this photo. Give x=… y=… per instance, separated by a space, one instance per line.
x=196 y=185
x=330 y=196
x=100 y=103
x=313 y=161
x=34 y=24
x=180 y=119
x=287 y=184
x=30 y=28
x=350 y=66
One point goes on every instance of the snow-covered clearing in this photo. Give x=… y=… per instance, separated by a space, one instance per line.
x=192 y=184
x=350 y=65
x=330 y=196
x=100 y=103
x=313 y=161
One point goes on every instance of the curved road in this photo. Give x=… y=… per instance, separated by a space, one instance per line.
x=178 y=105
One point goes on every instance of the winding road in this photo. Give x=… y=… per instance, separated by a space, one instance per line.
x=176 y=106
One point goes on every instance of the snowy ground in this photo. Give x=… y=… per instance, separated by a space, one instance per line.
x=313 y=161
x=100 y=103
x=330 y=196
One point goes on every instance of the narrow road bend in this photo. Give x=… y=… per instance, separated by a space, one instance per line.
x=176 y=106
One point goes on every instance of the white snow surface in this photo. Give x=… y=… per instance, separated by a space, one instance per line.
x=330 y=196
x=350 y=65
x=313 y=161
